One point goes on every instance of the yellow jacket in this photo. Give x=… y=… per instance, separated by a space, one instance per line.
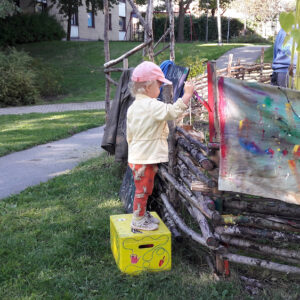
x=147 y=129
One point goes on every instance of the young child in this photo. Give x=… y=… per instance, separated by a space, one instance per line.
x=147 y=132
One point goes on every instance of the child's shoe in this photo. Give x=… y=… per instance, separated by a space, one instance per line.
x=143 y=223
x=151 y=218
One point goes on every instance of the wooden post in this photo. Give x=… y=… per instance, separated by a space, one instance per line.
x=170 y=9
x=262 y=57
x=214 y=134
x=230 y=57
x=125 y=63
x=168 y=98
x=107 y=55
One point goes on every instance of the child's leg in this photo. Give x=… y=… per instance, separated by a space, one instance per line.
x=144 y=183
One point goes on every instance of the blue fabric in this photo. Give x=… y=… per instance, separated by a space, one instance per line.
x=165 y=66
x=282 y=53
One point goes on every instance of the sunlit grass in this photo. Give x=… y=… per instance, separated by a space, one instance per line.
x=81 y=63
x=19 y=132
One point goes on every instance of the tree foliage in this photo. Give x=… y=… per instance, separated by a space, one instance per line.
x=7 y=8
x=212 y=5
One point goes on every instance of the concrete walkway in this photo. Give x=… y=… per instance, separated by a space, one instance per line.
x=52 y=108
x=22 y=169
x=26 y=168
x=247 y=55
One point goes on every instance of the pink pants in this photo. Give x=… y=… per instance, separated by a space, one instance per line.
x=144 y=182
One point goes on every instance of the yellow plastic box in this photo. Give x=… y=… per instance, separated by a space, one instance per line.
x=141 y=251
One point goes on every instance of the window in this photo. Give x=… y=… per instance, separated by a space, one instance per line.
x=109 y=22
x=74 y=19
x=122 y=23
x=40 y=6
x=91 y=19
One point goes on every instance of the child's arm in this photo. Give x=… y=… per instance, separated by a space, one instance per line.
x=162 y=111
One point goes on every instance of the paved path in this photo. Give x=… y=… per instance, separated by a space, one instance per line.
x=247 y=55
x=52 y=108
x=22 y=169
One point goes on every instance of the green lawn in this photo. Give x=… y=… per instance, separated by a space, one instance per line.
x=19 y=132
x=269 y=55
x=81 y=63
x=55 y=244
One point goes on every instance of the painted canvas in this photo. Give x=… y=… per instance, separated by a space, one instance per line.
x=260 y=140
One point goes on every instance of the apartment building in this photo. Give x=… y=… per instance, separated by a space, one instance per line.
x=85 y=24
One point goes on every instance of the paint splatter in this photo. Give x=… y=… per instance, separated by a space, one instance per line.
x=268 y=101
x=270 y=151
x=296 y=151
x=285 y=152
x=250 y=146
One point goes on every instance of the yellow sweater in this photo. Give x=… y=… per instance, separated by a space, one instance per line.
x=147 y=129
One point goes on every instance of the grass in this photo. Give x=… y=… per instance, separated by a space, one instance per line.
x=269 y=55
x=55 y=244
x=19 y=132
x=81 y=63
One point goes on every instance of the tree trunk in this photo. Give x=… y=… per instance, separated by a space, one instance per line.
x=180 y=36
x=219 y=24
x=69 y=24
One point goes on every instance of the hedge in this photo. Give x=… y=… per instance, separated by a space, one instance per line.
x=199 y=27
x=28 y=28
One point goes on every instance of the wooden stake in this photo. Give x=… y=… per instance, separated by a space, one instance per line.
x=170 y=8
x=107 y=55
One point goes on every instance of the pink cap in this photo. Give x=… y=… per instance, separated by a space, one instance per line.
x=148 y=71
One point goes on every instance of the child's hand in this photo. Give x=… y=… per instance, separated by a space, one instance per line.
x=188 y=92
x=189 y=88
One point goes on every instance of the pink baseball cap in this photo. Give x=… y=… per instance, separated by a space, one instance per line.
x=148 y=71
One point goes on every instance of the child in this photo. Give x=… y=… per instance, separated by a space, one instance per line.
x=147 y=132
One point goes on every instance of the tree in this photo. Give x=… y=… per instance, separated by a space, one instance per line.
x=212 y=5
x=7 y=8
x=69 y=7
x=183 y=7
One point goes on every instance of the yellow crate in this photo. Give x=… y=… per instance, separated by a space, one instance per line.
x=142 y=251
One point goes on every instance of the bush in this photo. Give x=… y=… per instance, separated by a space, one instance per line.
x=28 y=28
x=48 y=79
x=17 y=80
x=196 y=65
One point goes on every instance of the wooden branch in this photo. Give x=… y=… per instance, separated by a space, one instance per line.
x=170 y=8
x=261 y=205
x=125 y=55
x=257 y=222
x=261 y=263
x=111 y=80
x=113 y=70
x=162 y=37
x=189 y=232
x=107 y=55
x=200 y=175
x=245 y=244
x=170 y=224
x=180 y=223
x=141 y=19
x=188 y=195
x=204 y=162
x=167 y=95
x=200 y=187
x=207 y=234
x=258 y=233
x=162 y=50
x=191 y=139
